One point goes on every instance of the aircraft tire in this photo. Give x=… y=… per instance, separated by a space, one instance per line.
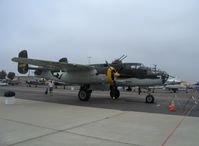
x=174 y=90
x=84 y=95
x=115 y=94
x=149 y=99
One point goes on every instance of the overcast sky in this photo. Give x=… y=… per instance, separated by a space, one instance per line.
x=162 y=32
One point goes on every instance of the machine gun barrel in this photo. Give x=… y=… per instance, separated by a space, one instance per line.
x=122 y=57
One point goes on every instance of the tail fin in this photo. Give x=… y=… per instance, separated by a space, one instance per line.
x=22 y=67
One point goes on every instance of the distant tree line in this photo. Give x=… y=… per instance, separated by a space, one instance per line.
x=10 y=75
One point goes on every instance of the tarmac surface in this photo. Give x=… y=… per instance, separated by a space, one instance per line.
x=61 y=119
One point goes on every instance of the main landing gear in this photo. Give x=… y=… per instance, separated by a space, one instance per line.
x=84 y=93
x=114 y=92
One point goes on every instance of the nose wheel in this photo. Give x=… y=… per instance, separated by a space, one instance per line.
x=149 y=98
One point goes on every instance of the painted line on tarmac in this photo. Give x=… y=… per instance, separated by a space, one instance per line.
x=179 y=123
x=104 y=139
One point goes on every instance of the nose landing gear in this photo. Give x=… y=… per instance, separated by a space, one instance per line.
x=150 y=98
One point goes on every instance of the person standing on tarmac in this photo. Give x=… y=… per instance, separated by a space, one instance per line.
x=51 y=86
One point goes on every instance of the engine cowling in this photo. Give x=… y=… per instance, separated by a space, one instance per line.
x=111 y=74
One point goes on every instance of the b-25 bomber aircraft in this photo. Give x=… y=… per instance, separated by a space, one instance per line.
x=94 y=76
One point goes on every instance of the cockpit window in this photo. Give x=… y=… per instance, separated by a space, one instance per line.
x=133 y=66
x=137 y=66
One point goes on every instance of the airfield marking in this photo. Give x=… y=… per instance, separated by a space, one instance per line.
x=177 y=126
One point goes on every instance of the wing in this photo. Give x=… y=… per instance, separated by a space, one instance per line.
x=52 y=65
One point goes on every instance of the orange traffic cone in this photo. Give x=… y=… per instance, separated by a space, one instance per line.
x=172 y=106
